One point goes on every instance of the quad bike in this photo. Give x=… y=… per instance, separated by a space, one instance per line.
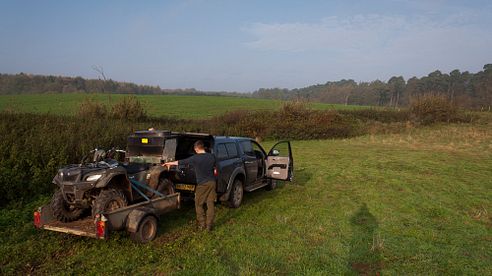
x=100 y=184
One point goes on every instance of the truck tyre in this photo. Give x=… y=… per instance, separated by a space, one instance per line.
x=165 y=187
x=272 y=184
x=147 y=230
x=108 y=200
x=62 y=210
x=236 y=196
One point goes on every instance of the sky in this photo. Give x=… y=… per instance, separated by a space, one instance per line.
x=244 y=45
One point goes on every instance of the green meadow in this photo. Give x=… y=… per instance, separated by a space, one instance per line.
x=183 y=107
x=417 y=202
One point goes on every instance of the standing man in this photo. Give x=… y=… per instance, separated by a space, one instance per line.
x=204 y=164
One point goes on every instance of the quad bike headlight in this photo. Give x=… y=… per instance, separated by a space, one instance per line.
x=93 y=177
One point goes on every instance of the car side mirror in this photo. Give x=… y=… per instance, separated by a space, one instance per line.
x=275 y=152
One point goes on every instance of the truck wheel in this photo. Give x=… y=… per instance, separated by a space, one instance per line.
x=147 y=230
x=165 y=187
x=236 y=196
x=108 y=200
x=62 y=210
x=272 y=184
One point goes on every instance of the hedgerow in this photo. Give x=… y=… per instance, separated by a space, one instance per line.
x=32 y=146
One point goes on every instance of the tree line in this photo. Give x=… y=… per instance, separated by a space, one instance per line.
x=22 y=83
x=467 y=90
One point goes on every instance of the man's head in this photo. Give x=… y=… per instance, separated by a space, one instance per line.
x=199 y=146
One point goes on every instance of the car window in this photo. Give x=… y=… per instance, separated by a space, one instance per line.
x=231 y=150
x=281 y=149
x=247 y=148
x=221 y=151
x=258 y=152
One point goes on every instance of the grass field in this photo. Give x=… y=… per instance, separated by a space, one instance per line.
x=418 y=202
x=156 y=105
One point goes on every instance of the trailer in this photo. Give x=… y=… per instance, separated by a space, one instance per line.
x=139 y=219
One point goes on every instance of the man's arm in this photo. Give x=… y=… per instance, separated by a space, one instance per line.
x=169 y=164
x=178 y=162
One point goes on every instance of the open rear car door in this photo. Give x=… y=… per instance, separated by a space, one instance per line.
x=279 y=162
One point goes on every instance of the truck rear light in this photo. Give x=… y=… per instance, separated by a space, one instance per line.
x=101 y=226
x=37 y=219
x=216 y=173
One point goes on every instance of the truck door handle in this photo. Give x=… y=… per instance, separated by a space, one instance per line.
x=248 y=162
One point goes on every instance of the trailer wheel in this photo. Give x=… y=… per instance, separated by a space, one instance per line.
x=108 y=200
x=62 y=210
x=272 y=184
x=236 y=196
x=147 y=230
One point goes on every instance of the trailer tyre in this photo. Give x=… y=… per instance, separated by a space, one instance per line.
x=147 y=230
x=62 y=210
x=109 y=200
x=236 y=196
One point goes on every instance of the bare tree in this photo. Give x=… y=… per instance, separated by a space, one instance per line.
x=100 y=70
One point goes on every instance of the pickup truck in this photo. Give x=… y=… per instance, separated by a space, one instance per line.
x=242 y=165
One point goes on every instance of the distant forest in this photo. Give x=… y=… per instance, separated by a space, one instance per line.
x=468 y=90
x=37 y=84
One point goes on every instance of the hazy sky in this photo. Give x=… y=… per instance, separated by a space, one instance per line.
x=244 y=45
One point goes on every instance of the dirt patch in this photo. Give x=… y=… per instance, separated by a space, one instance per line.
x=169 y=237
x=367 y=268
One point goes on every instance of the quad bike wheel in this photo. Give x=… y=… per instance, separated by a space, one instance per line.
x=62 y=210
x=164 y=187
x=109 y=200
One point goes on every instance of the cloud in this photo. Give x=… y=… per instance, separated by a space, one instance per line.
x=414 y=44
x=353 y=33
x=332 y=33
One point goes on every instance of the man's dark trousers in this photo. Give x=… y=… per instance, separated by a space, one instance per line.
x=205 y=194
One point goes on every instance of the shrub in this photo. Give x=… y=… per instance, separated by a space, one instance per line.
x=432 y=108
x=90 y=108
x=294 y=120
x=379 y=115
x=129 y=108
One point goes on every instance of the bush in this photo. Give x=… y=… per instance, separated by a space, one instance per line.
x=433 y=108
x=90 y=108
x=379 y=115
x=129 y=108
x=297 y=121
x=240 y=123
x=293 y=121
